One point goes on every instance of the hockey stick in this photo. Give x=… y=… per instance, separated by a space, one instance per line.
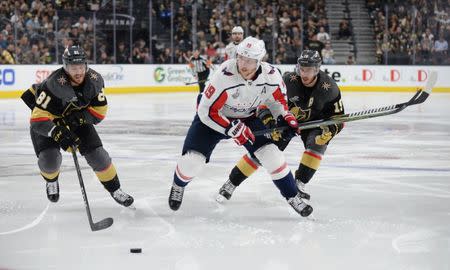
x=102 y=224
x=419 y=97
x=190 y=83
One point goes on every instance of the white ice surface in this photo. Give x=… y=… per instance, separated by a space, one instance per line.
x=381 y=197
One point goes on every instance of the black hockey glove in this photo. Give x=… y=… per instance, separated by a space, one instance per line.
x=64 y=137
x=77 y=118
x=287 y=134
x=267 y=119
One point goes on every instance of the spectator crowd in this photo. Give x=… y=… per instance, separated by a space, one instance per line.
x=37 y=31
x=415 y=29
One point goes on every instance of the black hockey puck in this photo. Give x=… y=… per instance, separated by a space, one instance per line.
x=136 y=250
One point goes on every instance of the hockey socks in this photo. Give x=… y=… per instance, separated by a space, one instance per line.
x=287 y=186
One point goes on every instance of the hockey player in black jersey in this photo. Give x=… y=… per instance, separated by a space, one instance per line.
x=65 y=107
x=312 y=95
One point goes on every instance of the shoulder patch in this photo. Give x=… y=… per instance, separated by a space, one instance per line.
x=226 y=72
x=57 y=80
x=62 y=80
x=326 y=86
x=293 y=77
x=289 y=77
x=272 y=70
x=93 y=76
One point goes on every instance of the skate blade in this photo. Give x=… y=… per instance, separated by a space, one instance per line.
x=220 y=199
x=132 y=207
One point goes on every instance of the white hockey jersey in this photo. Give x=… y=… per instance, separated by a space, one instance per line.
x=230 y=51
x=229 y=96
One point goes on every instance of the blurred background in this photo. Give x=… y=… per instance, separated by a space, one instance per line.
x=363 y=32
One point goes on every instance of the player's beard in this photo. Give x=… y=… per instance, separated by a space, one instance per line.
x=77 y=79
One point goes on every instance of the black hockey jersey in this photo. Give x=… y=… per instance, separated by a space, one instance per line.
x=56 y=98
x=321 y=101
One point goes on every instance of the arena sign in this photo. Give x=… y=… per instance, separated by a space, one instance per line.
x=14 y=79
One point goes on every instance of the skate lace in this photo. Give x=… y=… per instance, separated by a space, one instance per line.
x=120 y=195
x=177 y=193
x=297 y=203
x=228 y=187
x=52 y=188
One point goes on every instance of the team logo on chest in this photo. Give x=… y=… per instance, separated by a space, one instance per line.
x=296 y=108
x=301 y=115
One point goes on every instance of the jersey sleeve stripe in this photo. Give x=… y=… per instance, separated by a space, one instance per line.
x=40 y=115
x=278 y=96
x=214 y=110
x=39 y=119
x=98 y=112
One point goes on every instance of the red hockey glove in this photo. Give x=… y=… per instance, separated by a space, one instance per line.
x=240 y=133
x=292 y=122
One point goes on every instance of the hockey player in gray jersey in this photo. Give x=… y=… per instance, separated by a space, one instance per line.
x=312 y=95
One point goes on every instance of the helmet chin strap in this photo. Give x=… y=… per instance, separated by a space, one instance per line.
x=258 y=64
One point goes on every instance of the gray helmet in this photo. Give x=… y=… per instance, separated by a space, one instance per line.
x=74 y=55
x=309 y=58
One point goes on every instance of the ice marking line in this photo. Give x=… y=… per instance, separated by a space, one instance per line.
x=146 y=205
x=29 y=225
x=414 y=242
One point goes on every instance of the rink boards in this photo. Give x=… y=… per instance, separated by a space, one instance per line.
x=14 y=79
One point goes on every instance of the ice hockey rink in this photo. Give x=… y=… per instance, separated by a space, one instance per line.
x=381 y=197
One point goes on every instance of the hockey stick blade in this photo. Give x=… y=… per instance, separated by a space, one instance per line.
x=102 y=224
x=431 y=82
x=432 y=79
x=419 y=97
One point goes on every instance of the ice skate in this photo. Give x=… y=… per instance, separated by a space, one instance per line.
x=52 y=191
x=175 y=197
x=225 y=192
x=122 y=198
x=300 y=206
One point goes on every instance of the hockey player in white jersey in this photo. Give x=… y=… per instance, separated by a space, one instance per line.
x=227 y=110
x=237 y=35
